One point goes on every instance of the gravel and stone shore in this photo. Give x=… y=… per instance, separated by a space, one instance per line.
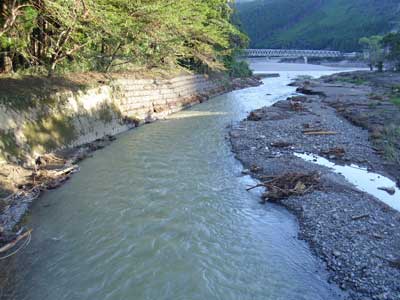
x=357 y=235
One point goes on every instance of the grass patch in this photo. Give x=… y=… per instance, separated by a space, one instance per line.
x=396 y=100
x=24 y=93
x=352 y=80
x=392 y=143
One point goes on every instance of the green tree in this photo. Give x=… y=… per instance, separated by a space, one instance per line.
x=16 y=18
x=109 y=35
x=64 y=28
x=392 y=42
x=374 y=51
x=10 y=11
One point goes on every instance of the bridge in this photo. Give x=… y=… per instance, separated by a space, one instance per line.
x=292 y=53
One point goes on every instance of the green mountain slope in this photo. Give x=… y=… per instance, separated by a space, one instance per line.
x=316 y=24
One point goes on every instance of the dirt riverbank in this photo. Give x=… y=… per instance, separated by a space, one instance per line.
x=20 y=185
x=348 y=118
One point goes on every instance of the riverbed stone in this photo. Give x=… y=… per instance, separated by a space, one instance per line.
x=359 y=252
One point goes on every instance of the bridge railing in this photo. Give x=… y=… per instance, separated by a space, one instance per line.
x=291 y=53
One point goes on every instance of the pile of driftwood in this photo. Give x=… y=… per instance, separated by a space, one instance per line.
x=256 y=115
x=336 y=152
x=51 y=179
x=290 y=184
x=40 y=180
x=296 y=106
x=50 y=172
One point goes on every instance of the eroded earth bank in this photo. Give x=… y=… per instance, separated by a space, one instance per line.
x=348 y=118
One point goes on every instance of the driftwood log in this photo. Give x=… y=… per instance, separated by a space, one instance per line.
x=13 y=243
x=318 y=132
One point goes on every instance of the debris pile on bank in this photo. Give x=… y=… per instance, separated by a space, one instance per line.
x=334 y=153
x=50 y=172
x=290 y=184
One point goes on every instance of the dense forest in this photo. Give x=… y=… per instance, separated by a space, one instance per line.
x=48 y=36
x=316 y=24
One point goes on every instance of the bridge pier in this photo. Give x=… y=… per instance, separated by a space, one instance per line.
x=305 y=60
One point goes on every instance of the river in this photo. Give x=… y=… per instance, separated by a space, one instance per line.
x=163 y=213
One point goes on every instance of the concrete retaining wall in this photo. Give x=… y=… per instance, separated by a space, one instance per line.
x=70 y=119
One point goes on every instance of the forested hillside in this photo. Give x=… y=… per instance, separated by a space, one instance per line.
x=316 y=24
x=105 y=35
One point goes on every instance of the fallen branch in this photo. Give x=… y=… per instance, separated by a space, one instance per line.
x=319 y=132
x=355 y=218
x=65 y=171
x=267 y=177
x=256 y=186
x=13 y=243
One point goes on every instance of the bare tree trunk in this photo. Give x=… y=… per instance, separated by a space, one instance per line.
x=10 y=10
x=112 y=58
x=6 y=64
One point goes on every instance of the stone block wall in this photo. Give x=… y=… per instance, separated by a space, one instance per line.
x=70 y=119
x=151 y=99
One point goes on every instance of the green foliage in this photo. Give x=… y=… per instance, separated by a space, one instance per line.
x=29 y=99
x=392 y=42
x=396 y=101
x=373 y=48
x=390 y=147
x=315 y=24
x=353 y=80
x=238 y=68
x=105 y=35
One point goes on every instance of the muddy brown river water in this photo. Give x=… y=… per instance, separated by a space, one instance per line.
x=163 y=213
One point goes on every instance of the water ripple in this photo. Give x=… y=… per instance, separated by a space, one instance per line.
x=162 y=214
